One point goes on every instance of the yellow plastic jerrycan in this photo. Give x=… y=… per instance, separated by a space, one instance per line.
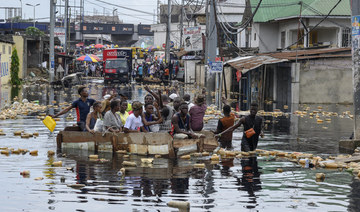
x=49 y=123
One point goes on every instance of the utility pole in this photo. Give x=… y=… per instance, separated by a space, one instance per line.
x=21 y=11
x=211 y=44
x=167 y=52
x=114 y=15
x=158 y=11
x=66 y=24
x=355 y=15
x=182 y=24
x=52 y=26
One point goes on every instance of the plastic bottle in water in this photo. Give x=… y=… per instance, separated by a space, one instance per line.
x=307 y=163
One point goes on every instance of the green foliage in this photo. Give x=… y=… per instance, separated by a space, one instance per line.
x=35 y=32
x=15 y=68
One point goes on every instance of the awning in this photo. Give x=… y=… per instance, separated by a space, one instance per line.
x=245 y=64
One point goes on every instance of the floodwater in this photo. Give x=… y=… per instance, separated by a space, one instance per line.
x=238 y=185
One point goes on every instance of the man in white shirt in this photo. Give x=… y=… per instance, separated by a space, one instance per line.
x=134 y=122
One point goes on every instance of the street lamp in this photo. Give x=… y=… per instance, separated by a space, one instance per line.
x=114 y=15
x=34 y=9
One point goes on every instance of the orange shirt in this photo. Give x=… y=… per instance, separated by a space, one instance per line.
x=166 y=72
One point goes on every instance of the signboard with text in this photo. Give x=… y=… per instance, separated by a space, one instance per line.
x=192 y=39
x=60 y=33
x=216 y=67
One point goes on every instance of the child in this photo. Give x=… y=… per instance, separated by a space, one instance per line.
x=223 y=124
x=134 y=122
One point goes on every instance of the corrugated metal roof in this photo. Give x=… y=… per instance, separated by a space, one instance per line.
x=311 y=53
x=276 y=9
x=246 y=64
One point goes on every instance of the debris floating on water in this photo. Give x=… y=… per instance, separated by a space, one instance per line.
x=77 y=186
x=128 y=163
x=58 y=163
x=182 y=206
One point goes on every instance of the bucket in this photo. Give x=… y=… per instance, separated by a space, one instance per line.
x=49 y=123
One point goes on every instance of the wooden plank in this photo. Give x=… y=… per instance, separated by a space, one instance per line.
x=184 y=142
x=159 y=138
x=88 y=146
x=59 y=140
x=171 y=149
x=78 y=137
x=158 y=149
x=138 y=149
x=347 y=160
x=72 y=128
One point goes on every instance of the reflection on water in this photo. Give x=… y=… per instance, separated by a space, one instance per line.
x=233 y=185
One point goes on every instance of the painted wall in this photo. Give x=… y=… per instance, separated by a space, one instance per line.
x=19 y=45
x=5 y=51
x=267 y=36
x=190 y=66
x=326 y=81
x=268 y=40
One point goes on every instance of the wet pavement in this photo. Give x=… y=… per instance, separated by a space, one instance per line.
x=235 y=185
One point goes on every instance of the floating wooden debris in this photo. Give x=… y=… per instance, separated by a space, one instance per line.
x=122 y=152
x=93 y=157
x=58 y=163
x=25 y=173
x=320 y=176
x=215 y=157
x=182 y=206
x=77 y=186
x=50 y=153
x=199 y=165
x=147 y=160
x=34 y=152
x=185 y=157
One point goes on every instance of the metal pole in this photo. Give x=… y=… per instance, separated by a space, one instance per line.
x=66 y=24
x=181 y=24
x=167 y=53
x=34 y=15
x=52 y=26
x=21 y=10
x=211 y=44
x=240 y=94
x=355 y=13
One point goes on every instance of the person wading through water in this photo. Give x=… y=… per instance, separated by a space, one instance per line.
x=253 y=126
x=82 y=106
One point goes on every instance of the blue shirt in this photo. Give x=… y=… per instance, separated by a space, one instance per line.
x=82 y=108
x=140 y=70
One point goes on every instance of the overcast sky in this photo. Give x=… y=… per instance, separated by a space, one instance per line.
x=91 y=7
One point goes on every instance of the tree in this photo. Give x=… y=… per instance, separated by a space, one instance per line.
x=15 y=68
x=35 y=32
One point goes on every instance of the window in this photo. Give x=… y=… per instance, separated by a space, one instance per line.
x=346 y=37
x=283 y=39
x=10 y=50
x=254 y=36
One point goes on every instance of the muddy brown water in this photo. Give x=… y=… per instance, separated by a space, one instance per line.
x=238 y=185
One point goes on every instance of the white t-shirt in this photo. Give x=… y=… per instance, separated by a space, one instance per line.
x=133 y=123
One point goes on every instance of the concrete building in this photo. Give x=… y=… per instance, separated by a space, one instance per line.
x=6 y=47
x=320 y=76
x=230 y=12
x=280 y=24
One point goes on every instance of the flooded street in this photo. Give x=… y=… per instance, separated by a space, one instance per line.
x=248 y=184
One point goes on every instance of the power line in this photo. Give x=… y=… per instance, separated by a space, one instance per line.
x=134 y=16
x=315 y=25
x=123 y=7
